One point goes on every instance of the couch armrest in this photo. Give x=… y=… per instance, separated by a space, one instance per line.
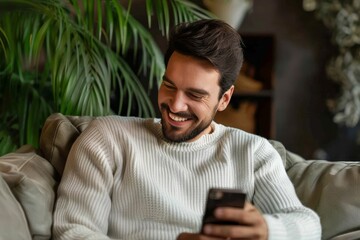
x=332 y=190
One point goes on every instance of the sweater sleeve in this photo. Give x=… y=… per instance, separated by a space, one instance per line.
x=84 y=195
x=275 y=196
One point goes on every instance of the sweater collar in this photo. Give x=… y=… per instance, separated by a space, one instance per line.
x=203 y=141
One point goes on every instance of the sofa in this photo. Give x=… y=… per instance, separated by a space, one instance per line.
x=29 y=179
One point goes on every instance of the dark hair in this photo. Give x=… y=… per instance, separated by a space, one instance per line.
x=212 y=40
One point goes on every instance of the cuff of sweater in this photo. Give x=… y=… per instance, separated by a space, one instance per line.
x=303 y=227
x=276 y=228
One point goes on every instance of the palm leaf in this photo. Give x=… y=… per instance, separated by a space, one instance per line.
x=73 y=56
x=3 y=43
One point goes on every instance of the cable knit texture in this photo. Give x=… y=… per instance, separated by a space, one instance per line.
x=123 y=180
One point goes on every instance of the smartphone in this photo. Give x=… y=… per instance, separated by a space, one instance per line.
x=222 y=197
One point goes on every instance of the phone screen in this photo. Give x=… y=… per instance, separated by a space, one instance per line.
x=218 y=197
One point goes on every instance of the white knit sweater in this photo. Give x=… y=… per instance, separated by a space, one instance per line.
x=124 y=181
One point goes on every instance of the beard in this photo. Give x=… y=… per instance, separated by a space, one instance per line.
x=172 y=133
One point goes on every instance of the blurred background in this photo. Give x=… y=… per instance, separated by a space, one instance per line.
x=303 y=48
x=300 y=82
x=298 y=109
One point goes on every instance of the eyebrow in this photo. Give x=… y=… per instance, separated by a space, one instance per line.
x=195 y=90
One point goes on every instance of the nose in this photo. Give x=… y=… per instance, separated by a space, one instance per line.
x=178 y=103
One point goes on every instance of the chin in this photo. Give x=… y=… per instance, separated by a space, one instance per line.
x=170 y=134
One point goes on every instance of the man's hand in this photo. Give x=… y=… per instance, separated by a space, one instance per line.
x=252 y=225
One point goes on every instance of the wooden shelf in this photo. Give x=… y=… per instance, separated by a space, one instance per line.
x=251 y=107
x=253 y=95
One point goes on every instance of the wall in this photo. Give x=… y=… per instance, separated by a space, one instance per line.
x=302 y=120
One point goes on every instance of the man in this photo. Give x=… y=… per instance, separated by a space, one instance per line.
x=132 y=178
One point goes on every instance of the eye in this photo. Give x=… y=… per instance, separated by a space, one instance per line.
x=169 y=86
x=195 y=96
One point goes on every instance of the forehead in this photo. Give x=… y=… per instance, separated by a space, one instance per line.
x=184 y=70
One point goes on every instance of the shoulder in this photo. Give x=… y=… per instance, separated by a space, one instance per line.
x=120 y=122
x=238 y=136
x=124 y=126
x=244 y=141
x=116 y=119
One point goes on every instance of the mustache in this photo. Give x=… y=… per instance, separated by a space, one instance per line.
x=166 y=107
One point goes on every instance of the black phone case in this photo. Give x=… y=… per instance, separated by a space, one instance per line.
x=218 y=197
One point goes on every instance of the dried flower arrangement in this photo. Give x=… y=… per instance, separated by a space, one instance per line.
x=342 y=17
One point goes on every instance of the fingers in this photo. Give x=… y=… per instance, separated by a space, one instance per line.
x=195 y=236
x=252 y=224
x=235 y=232
x=247 y=216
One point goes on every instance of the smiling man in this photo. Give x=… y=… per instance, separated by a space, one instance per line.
x=188 y=98
x=132 y=178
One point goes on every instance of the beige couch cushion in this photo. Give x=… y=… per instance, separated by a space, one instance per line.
x=332 y=189
x=31 y=181
x=13 y=223
x=58 y=135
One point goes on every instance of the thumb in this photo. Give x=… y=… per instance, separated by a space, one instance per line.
x=248 y=206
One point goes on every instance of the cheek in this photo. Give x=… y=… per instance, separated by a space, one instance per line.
x=161 y=94
x=211 y=105
x=203 y=109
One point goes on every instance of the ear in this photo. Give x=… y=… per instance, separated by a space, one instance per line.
x=225 y=99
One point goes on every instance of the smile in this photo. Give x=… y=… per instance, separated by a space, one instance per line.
x=177 y=118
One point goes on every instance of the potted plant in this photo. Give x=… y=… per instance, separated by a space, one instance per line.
x=231 y=11
x=342 y=18
x=72 y=56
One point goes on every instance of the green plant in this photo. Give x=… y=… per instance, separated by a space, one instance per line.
x=72 y=56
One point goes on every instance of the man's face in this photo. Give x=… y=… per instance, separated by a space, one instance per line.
x=188 y=98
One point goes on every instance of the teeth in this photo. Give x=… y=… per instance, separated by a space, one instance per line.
x=176 y=118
